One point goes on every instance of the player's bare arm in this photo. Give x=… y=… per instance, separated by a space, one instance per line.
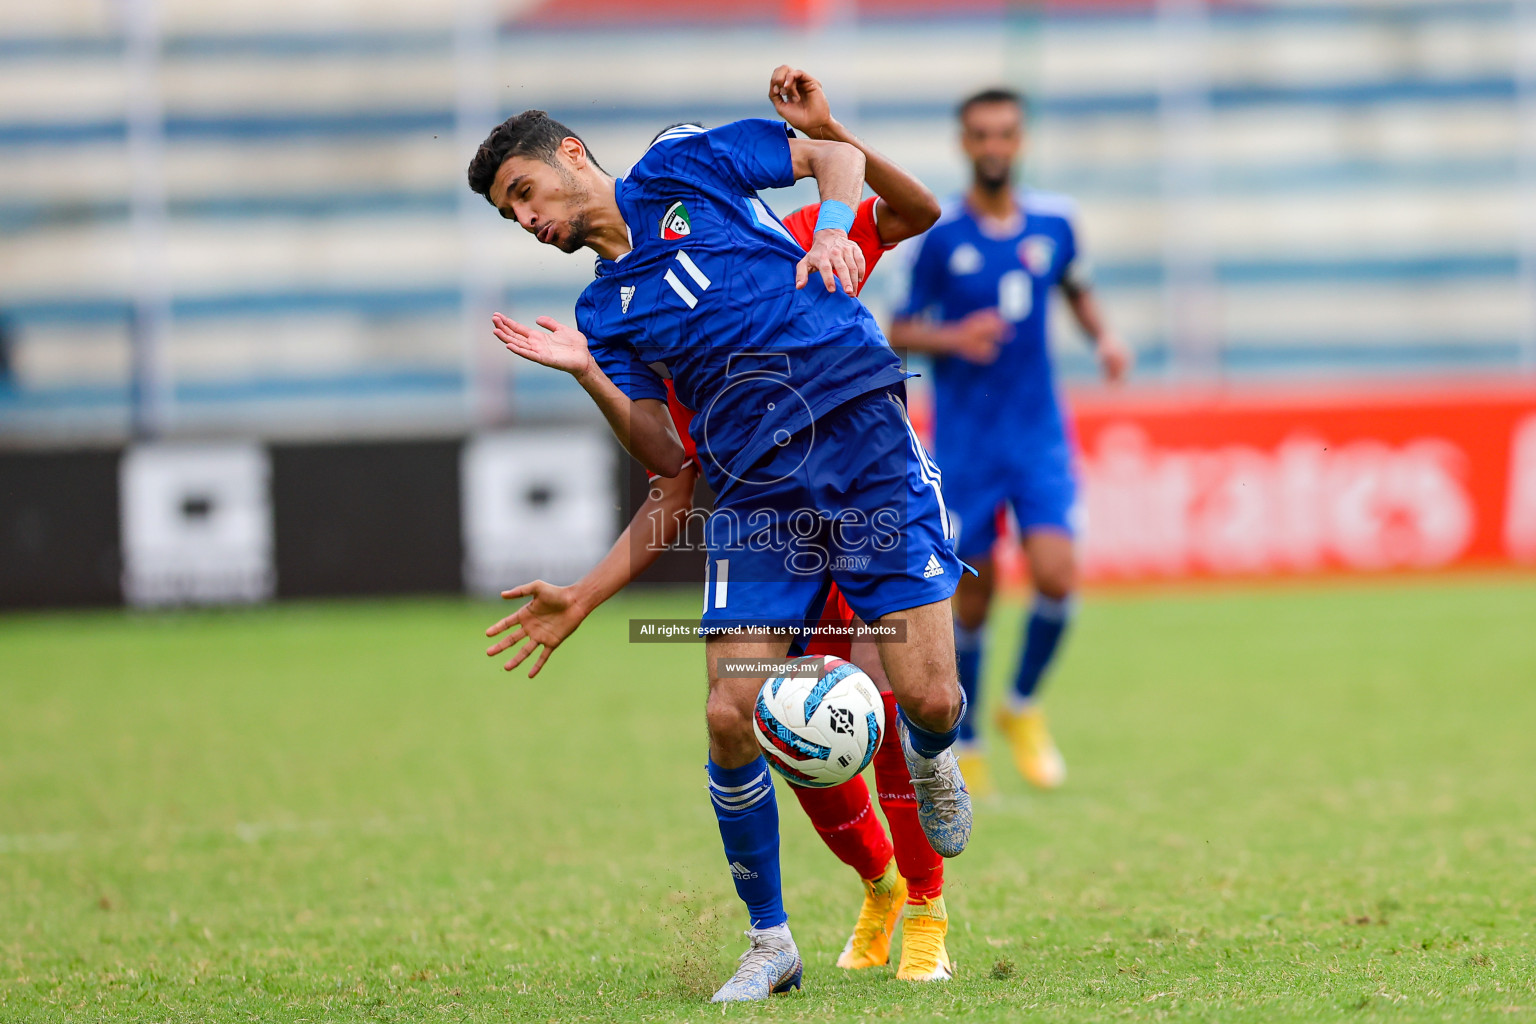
x=643 y=427
x=976 y=337
x=1115 y=357
x=554 y=613
x=839 y=172
x=906 y=208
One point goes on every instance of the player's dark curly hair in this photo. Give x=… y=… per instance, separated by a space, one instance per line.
x=997 y=94
x=532 y=133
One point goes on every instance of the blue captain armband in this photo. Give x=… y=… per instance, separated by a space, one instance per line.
x=835 y=215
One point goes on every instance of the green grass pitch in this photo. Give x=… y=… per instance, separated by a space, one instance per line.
x=1295 y=803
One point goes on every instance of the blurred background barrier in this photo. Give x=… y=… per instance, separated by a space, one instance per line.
x=197 y=523
x=377 y=517
x=172 y=523
x=247 y=223
x=1292 y=480
x=538 y=504
x=1175 y=486
x=59 y=529
x=1309 y=481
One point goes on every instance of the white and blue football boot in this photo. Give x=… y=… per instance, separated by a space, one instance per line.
x=943 y=802
x=770 y=965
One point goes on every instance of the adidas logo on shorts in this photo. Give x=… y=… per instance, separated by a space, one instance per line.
x=933 y=568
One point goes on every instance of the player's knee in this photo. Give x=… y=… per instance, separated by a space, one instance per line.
x=726 y=719
x=937 y=709
x=1057 y=586
x=1056 y=579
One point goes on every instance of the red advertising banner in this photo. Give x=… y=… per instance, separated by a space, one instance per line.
x=792 y=12
x=1275 y=483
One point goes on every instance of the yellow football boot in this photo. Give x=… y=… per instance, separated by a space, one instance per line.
x=923 y=954
x=973 y=766
x=1034 y=752
x=870 y=943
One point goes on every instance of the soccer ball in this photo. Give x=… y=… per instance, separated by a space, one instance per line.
x=820 y=730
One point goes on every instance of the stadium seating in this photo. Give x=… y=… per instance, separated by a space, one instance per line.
x=1350 y=184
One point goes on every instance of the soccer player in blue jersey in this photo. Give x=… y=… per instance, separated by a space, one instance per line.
x=981 y=285
x=801 y=431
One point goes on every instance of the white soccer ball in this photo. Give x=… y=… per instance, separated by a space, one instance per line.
x=820 y=730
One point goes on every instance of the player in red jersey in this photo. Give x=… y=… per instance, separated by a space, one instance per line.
x=905 y=873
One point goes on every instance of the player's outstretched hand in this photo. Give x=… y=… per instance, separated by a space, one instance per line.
x=1115 y=357
x=836 y=258
x=557 y=346
x=799 y=99
x=545 y=622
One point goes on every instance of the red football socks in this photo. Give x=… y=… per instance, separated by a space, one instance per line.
x=845 y=819
x=919 y=865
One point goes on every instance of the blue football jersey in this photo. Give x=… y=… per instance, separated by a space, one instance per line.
x=707 y=294
x=1004 y=413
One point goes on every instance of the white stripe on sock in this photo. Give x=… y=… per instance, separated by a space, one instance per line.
x=745 y=805
x=1052 y=609
x=742 y=788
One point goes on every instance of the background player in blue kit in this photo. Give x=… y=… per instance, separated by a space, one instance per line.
x=978 y=303
x=801 y=431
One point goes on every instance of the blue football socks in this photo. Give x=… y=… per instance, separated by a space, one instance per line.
x=748 y=814
x=1048 y=620
x=968 y=643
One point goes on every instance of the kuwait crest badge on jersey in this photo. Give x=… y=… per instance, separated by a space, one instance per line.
x=674 y=223
x=1036 y=252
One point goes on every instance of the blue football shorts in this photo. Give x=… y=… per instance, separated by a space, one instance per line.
x=854 y=499
x=1041 y=495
